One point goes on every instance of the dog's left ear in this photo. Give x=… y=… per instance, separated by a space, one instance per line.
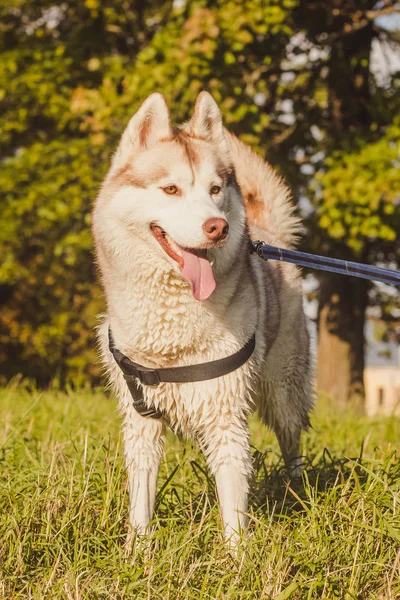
x=206 y=122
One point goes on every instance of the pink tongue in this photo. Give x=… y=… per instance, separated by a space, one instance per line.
x=198 y=272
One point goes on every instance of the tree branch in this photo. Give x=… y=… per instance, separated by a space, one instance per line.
x=367 y=18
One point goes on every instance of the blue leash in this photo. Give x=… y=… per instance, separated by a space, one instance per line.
x=334 y=265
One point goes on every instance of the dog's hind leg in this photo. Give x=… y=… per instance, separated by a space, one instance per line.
x=143 y=446
x=227 y=449
x=289 y=442
x=285 y=409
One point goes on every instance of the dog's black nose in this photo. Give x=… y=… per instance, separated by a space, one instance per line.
x=216 y=229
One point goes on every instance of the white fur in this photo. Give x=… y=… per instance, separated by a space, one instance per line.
x=156 y=321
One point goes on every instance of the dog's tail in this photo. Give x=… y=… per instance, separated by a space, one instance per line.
x=267 y=198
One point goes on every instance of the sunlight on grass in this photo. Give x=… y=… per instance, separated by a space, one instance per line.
x=64 y=510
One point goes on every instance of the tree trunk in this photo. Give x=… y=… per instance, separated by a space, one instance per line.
x=341 y=320
x=343 y=300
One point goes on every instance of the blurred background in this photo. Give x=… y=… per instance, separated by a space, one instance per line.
x=312 y=86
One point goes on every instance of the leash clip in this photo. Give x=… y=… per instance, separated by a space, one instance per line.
x=257 y=248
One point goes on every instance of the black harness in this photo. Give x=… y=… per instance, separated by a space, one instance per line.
x=135 y=373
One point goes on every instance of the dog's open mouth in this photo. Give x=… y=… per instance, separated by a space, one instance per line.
x=195 y=266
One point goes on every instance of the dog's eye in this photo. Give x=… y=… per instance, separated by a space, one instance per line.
x=215 y=190
x=170 y=189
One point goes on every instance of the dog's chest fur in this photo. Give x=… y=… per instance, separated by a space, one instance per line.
x=157 y=323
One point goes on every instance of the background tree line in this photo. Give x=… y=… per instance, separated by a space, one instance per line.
x=293 y=78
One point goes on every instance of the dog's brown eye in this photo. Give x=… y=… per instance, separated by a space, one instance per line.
x=171 y=189
x=215 y=190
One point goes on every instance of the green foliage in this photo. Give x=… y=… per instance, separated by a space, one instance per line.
x=54 y=57
x=359 y=194
x=219 y=48
x=64 y=511
x=47 y=273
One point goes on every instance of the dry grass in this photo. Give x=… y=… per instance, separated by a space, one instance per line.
x=64 y=507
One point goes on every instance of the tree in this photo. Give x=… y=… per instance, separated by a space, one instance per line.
x=54 y=55
x=358 y=187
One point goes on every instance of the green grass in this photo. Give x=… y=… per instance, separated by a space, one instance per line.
x=63 y=511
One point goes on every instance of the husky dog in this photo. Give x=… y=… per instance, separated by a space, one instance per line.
x=172 y=227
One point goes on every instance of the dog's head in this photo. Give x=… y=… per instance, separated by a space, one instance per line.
x=175 y=188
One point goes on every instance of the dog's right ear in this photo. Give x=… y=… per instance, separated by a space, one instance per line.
x=206 y=122
x=148 y=125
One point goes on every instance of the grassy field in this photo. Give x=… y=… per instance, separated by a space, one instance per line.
x=63 y=511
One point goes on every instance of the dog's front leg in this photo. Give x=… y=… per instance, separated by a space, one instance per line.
x=232 y=487
x=143 y=441
x=228 y=453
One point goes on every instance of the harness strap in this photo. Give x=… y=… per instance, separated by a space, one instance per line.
x=134 y=373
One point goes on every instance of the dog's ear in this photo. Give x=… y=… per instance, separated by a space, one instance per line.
x=148 y=125
x=206 y=122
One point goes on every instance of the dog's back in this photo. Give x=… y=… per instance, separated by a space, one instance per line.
x=285 y=396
